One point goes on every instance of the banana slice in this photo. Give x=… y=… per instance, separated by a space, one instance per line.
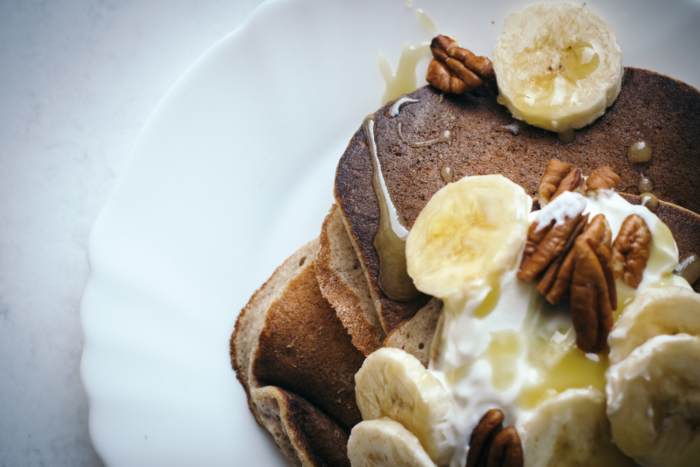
x=469 y=231
x=394 y=384
x=558 y=66
x=654 y=402
x=385 y=443
x=571 y=429
x=668 y=310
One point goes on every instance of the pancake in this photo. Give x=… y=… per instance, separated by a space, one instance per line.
x=415 y=336
x=343 y=284
x=297 y=364
x=244 y=340
x=307 y=436
x=652 y=107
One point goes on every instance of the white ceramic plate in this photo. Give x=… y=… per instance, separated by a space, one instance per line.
x=234 y=172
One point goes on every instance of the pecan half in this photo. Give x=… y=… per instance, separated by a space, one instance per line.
x=553 y=175
x=455 y=69
x=491 y=445
x=593 y=294
x=630 y=251
x=602 y=178
x=558 y=177
x=506 y=450
x=545 y=244
x=555 y=282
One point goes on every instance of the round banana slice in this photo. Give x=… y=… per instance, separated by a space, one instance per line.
x=394 y=384
x=571 y=429
x=654 y=402
x=668 y=310
x=385 y=443
x=558 y=66
x=469 y=232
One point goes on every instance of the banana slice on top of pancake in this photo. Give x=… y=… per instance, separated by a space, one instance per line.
x=558 y=66
x=469 y=233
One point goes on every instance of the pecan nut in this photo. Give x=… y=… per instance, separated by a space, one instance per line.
x=544 y=244
x=455 y=69
x=554 y=284
x=593 y=294
x=506 y=450
x=491 y=445
x=602 y=178
x=558 y=177
x=630 y=251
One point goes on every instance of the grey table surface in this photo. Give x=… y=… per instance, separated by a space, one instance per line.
x=78 y=80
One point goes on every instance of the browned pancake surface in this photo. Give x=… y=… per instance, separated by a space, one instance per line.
x=344 y=285
x=300 y=429
x=658 y=109
x=304 y=348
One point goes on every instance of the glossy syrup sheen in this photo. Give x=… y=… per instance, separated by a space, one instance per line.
x=390 y=239
x=404 y=80
x=574 y=370
x=639 y=151
x=557 y=84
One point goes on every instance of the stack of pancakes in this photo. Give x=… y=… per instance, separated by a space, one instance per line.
x=302 y=337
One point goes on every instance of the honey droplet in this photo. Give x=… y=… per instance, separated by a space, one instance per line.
x=447 y=173
x=645 y=185
x=639 y=151
x=689 y=268
x=427 y=22
x=567 y=136
x=650 y=201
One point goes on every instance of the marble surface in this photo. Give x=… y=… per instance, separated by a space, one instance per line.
x=78 y=79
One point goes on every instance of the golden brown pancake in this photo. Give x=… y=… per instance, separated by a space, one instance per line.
x=307 y=436
x=305 y=349
x=297 y=364
x=344 y=285
x=651 y=107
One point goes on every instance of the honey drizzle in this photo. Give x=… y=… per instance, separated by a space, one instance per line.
x=689 y=268
x=395 y=107
x=390 y=239
x=445 y=136
x=404 y=80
